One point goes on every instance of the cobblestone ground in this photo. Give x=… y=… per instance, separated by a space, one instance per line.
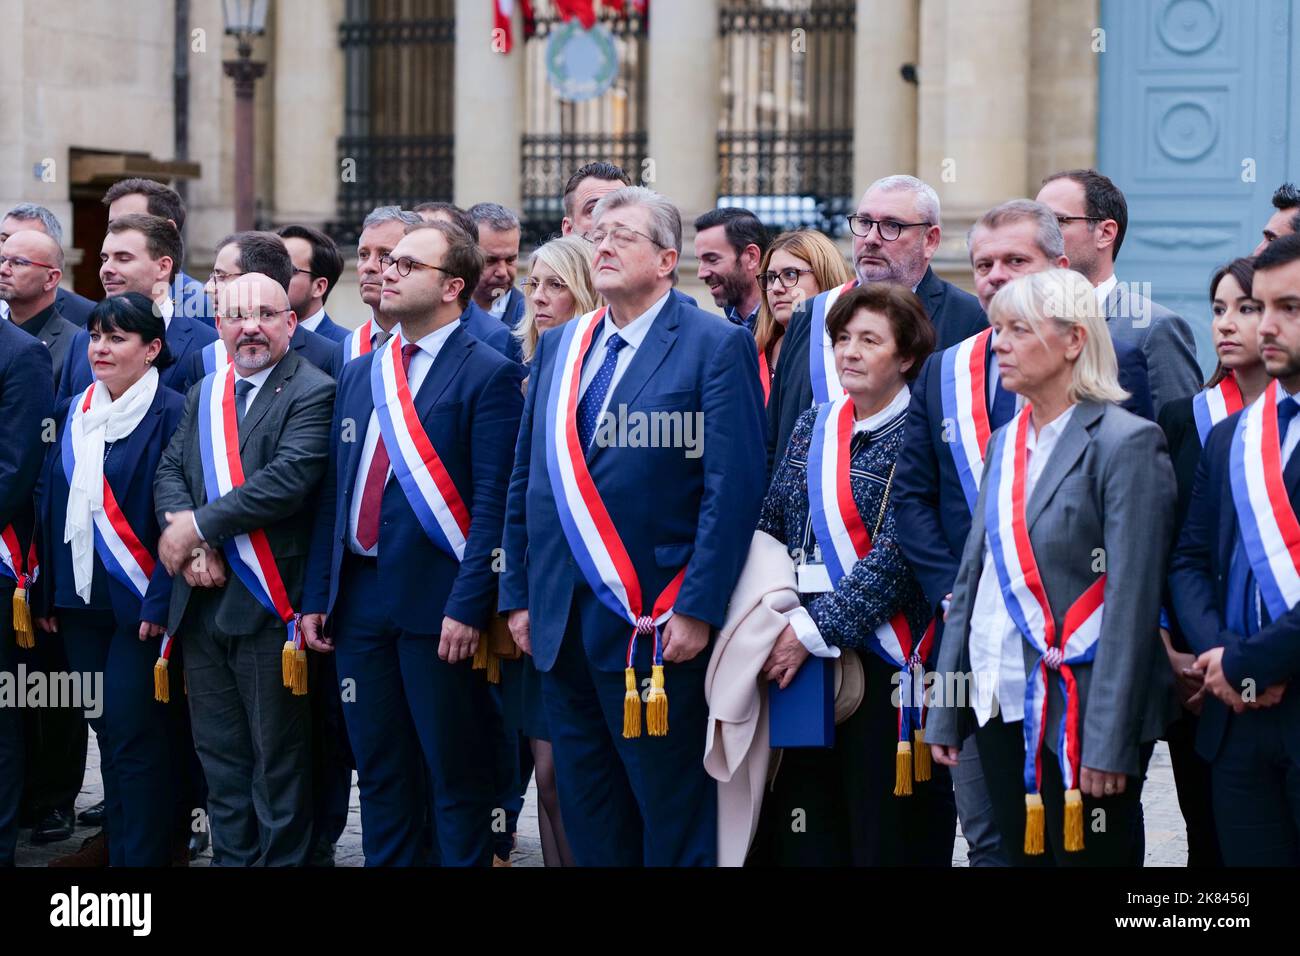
x=1166 y=837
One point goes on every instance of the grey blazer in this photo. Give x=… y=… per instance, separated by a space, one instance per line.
x=57 y=334
x=284 y=448
x=1164 y=337
x=1107 y=494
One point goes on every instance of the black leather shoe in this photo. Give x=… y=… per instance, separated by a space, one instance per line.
x=198 y=843
x=92 y=816
x=57 y=825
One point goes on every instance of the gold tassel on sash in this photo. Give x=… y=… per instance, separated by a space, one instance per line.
x=903 y=770
x=286 y=663
x=1034 y=824
x=1073 y=821
x=631 y=705
x=920 y=756
x=298 y=672
x=162 y=691
x=656 y=708
x=23 y=631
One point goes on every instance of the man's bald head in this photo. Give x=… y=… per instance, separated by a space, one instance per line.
x=255 y=321
x=30 y=273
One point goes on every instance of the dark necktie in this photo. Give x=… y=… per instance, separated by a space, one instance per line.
x=379 y=338
x=242 y=387
x=594 y=398
x=372 y=493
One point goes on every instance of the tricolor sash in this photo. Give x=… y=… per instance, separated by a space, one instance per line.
x=1269 y=528
x=22 y=573
x=1213 y=405
x=844 y=541
x=249 y=555
x=125 y=557
x=357 y=343
x=214 y=356
x=1026 y=602
x=821 y=350
x=592 y=537
x=963 y=388
x=416 y=465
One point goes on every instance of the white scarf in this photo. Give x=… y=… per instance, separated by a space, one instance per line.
x=103 y=422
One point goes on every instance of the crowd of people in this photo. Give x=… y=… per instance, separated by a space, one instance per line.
x=806 y=583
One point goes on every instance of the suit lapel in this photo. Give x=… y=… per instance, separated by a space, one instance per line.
x=450 y=358
x=1069 y=448
x=359 y=410
x=266 y=396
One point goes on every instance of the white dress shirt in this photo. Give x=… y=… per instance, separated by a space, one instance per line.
x=805 y=628
x=1103 y=291
x=633 y=334
x=499 y=305
x=312 y=321
x=167 y=308
x=997 y=659
x=421 y=362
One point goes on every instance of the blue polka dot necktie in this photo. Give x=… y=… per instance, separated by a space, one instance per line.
x=592 y=400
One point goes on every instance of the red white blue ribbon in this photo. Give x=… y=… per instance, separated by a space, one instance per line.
x=1025 y=597
x=357 y=343
x=963 y=389
x=214 y=355
x=1269 y=528
x=249 y=555
x=125 y=557
x=416 y=465
x=821 y=350
x=1213 y=405
x=593 y=539
x=11 y=558
x=844 y=541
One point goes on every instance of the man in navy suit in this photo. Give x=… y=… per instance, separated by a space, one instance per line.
x=895 y=235
x=1250 y=723
x=408 y=595
x=498 y=232
x=74 y=308
x=317 y=265
x=140 y=254
x=1015 y=238
x=26 y=402
x=147 y=197
x=683 y=515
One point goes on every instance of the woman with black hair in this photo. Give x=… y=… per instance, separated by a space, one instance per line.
x=102 y=586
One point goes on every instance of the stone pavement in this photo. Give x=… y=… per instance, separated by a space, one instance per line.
x=1166 y=837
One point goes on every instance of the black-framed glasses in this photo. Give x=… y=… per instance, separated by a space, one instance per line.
x=889 y=229
x=787 y=278
x=622 y=236
x=405 y=264
x=553 y=285
x=304 y=272
x=258 y=316
x=17 y=262
x=1066 y=220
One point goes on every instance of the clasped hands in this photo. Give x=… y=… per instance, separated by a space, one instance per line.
x=1215 y=681
x=183 y=552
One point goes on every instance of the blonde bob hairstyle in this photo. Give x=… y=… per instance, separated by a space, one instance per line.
x=569 y=257
x=1068 y=299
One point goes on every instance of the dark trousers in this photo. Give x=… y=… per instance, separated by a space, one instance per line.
x=836 y=806
x=629 y=802
x=331 y=756
x=1192 y=782
x=1109 y=837
x=189 y=789
x=1256 y=787
x=11 y=732
x=409 y=702
x=132 y=731
x=56 y=737
x=253 y=738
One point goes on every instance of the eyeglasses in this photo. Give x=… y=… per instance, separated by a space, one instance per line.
x=889 y=229
x=554 y=285
x=405 y=264
x=787 y=278
x=257 y=316
x=1066 y=220
x=304 y=272
x=220 y=277
x=623 y=236
x=17 y=262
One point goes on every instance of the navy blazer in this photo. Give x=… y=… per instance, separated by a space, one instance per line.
x=1198 y=580
x=956 y=315
x=75 y=308
x=329 y=329
x=932 y=514
x=671 y=510
x=191 y=301
x=489 y=330
x=26 y=401
x=129 y=468
x=185 y=340
x=469 y=404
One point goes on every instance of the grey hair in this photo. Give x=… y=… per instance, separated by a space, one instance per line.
x=494 y=215
x=927 y=200
x=1050 y=241
x=382 y=214
x=28 y=211
x=665 y=219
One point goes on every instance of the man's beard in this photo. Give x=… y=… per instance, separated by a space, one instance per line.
x=253 y=363
x=1290 y=370
x=735 y=286
x=905 y=272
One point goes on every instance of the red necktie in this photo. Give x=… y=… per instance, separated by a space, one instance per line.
x=372 y=495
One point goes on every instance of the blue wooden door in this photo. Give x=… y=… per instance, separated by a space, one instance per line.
x=1196 y=126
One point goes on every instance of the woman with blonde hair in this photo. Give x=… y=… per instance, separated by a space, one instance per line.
x=1073 y=520
x=558 y=288
x=796 y=266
